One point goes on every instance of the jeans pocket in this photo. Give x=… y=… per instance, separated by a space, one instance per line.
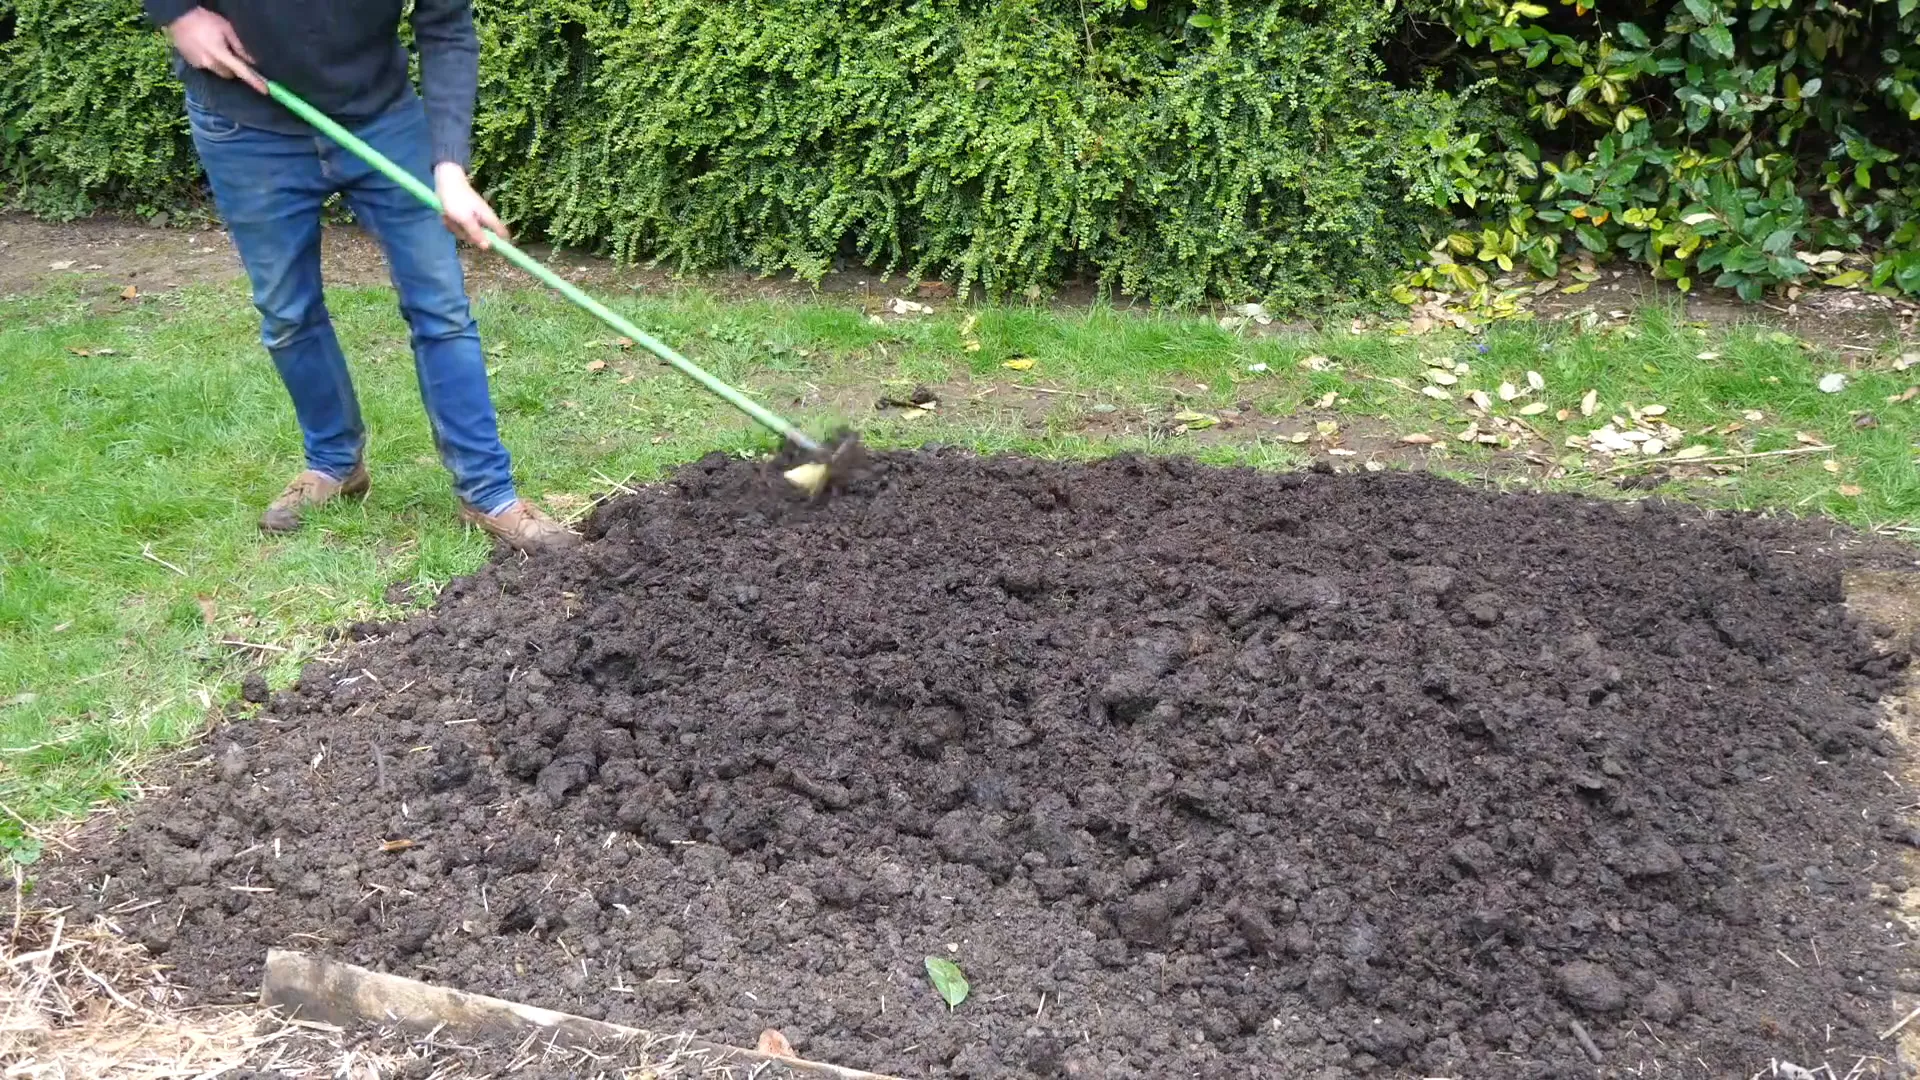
x=211 y=125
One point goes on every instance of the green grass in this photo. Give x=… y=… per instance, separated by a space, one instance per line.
x=137 y=447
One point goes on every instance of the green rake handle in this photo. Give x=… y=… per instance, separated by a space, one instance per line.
x=559 y=284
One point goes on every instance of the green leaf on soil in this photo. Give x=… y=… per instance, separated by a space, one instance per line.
x=22 y=850
x=947 y=981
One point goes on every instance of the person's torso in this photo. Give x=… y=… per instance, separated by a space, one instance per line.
x=344 y=57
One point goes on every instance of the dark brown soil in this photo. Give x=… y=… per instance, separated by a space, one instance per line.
x=1193 y=772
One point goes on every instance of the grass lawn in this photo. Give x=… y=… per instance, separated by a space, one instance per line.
x=137 y=447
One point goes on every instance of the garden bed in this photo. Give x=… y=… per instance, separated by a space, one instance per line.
x=1192 y=772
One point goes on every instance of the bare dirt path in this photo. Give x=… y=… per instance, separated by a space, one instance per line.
x=111 y=254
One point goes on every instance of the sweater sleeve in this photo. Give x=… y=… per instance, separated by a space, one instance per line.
x=449 y=74
x=164 y=12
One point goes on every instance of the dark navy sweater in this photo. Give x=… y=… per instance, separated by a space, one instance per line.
x=344 y=58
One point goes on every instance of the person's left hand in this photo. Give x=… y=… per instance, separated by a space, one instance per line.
x=466 y=213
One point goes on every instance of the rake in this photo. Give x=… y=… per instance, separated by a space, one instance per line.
x=824 y=462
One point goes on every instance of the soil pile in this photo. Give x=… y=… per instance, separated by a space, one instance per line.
x=1193 y=773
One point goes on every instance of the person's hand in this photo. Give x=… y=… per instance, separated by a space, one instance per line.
x=207 y=41
x=466 y=213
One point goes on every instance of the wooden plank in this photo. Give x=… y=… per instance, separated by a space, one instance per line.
x=308 y=987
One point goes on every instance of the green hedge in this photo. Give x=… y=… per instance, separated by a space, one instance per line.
x=1744 y=143
x=89 y=112
x=1007 y=143
x=1291 y=150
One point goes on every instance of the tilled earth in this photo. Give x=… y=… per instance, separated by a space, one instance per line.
x=1193 y=772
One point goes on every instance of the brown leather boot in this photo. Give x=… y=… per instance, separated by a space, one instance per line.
x=311 y=488
x=524 y=526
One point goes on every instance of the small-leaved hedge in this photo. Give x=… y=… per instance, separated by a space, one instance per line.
x=1290 y=150
x=1008 y=143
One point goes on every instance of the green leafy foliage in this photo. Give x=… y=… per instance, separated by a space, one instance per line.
x=89 y=111
x=948 y=982
x=19 y=847
x=1286 y=150
x=1258 y=151
x=1742 y=143
x=1235 y=151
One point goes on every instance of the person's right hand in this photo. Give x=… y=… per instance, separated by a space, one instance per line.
x=207 y=41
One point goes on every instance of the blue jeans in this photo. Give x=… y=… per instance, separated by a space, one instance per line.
x=270 y=188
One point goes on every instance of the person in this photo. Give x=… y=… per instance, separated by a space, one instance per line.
x=271 y=174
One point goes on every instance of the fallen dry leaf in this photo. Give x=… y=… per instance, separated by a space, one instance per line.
x=1481 y=398
x=1688 y=453
x=1563 y=415
x=129 y=293
x=1508 y=391
x=1733 y=427
x=1444 y=378
x=1830 y=465
x=63 y=264
x=1418 y=438
x=1019 y=363
x=1436 y=393
x=207 y=609
x=1196 y=421
x=596 y=365
x=1534 y=408
x=1327 y=399
x=1833 y=382
x=1904 y=396
x=1316 y=363
x=1654 y=410
x=79 y=351
x=1536 y=381
x=1589 y=402
x=623 y=343
x=392 y=846
x=1850 y=491
x=1754 y=416
x=1906 y=361
x=1808 y=438
x=1471 y=433
x=1299 y=437
x=774 y=1044
x=1328 y=428
x=1339 y=451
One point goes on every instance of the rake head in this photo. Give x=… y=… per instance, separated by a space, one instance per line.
x=828 y=467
